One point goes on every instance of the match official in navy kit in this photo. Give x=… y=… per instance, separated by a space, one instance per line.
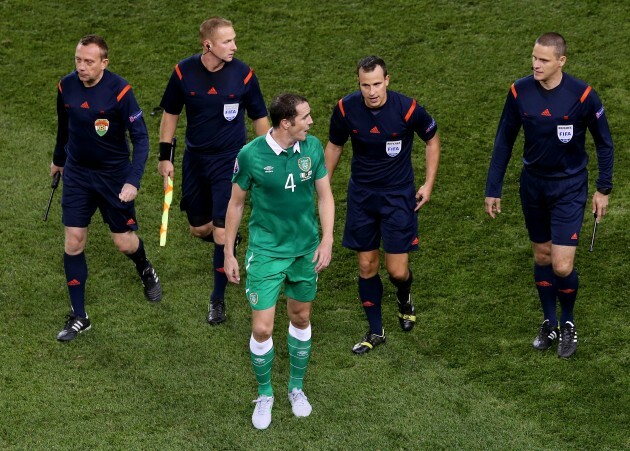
x=96 y=109
x=383 y=202
x=216 y=90
x=555 y=110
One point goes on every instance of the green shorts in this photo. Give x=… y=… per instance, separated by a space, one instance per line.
x=265 y=276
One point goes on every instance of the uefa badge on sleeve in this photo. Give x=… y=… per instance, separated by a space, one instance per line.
x=101 y=126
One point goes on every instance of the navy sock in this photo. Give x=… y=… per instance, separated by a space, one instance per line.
x=76 y=270
x=567 y=292
x=139 y=257
x=403 y=287
x=220 y=279
x=547 y=290
x=370 y=293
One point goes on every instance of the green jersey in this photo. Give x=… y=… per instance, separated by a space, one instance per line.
x=281 y=184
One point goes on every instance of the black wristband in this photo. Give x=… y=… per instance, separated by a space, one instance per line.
x=605 y=191
x=165 y=151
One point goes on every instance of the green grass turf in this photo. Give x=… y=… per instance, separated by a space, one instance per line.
x=157 y=377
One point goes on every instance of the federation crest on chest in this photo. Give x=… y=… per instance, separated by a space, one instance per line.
x=304 y=163
x=565 y=133
x=101 y=126
x=230 y=111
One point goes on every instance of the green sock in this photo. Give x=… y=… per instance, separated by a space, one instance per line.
x=262 y=370
x=299 y=353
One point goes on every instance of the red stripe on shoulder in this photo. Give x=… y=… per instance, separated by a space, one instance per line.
x=411 y=110
x=59 y=87
x=249 y=76
x=513 y=89
x=585 y=95
x=123 y=92
x=179 y=72
x=343 y=112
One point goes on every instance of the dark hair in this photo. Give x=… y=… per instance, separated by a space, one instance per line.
x=554 y=40
x=369 y=63
x=284 y=106
x=98 y=40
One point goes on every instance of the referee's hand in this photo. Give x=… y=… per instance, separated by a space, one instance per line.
x=166 y=170
x=493 y=206
x=128 y=193
x=600 y=204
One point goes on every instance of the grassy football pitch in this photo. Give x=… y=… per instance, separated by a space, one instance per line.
x=158 y=377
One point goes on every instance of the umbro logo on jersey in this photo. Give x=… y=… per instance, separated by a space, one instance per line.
x=268 y=169
x=85 y=105
x=374 y=130
x=546 y=113
x=212 y=91
x=74 y=283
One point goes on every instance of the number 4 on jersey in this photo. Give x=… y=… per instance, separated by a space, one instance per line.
x=290 y=184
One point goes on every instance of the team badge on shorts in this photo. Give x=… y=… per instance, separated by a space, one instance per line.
x=565 y=133
x=253 y=298
x=393 y=148
x=101 y=126
x=230 y=111
x=236 y=165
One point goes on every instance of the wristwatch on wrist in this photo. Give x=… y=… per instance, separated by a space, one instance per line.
x=604 y=191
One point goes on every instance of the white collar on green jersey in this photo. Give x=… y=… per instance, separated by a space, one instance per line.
x=276 y=147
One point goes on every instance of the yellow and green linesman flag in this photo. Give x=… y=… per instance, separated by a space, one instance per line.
x=168 y=198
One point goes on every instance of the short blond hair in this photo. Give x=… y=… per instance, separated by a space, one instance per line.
x=209 y=26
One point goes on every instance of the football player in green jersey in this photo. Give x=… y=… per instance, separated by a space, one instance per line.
x=281 y=170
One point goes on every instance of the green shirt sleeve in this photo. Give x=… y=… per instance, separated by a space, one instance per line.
x=242 y=170
x=320 y=164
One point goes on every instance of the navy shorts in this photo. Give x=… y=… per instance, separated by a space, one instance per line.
x=375 y=215
x=554 y=208
x=206 y=186
x=85 y=190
